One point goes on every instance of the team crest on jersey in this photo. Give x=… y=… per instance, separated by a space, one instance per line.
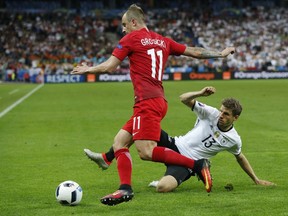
x=216 y=134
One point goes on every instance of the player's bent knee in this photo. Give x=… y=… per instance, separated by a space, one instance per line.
x=163 y=188
x=167 y=184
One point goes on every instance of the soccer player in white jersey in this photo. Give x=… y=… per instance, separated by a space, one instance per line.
x=212 y=133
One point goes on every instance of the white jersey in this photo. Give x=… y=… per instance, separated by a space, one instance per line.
x=206 y=139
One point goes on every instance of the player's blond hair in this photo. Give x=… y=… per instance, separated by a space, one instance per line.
x=135 y=12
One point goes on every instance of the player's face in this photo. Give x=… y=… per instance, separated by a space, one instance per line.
x=226 y=118
x=127 y=27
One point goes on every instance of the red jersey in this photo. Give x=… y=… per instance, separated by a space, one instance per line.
x=148 y=53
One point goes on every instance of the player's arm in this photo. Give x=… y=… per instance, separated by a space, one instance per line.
x=201 y=53
x=188 y=97
x=108 y=66
x=245 y=165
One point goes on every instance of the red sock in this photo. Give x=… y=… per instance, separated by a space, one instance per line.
x=105 y=159
x=168 y=156
x=124 y=166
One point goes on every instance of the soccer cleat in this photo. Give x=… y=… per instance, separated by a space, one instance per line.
x=97 y=158
x=153 y=184
x=202 y=169
x=117 y=197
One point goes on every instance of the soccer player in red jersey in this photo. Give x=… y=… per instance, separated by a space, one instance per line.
x=147 y=52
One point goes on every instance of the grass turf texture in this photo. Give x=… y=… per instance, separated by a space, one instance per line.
x=42 y=141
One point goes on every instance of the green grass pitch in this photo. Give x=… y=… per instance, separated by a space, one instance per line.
x=42 y=141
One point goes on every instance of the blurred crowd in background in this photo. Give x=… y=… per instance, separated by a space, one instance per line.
x=45 y=38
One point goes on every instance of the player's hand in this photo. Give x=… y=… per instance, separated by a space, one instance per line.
x=208 y=91
x=265 y=183
x=227 y=51
x=80 y=69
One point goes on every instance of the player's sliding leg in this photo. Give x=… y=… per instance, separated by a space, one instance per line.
x=200 y=167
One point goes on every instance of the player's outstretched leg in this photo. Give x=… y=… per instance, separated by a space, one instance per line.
x=117 y=197
x=202 y=169
x=98 y=158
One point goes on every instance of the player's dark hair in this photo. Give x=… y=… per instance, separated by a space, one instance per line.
x=135 y=12
x=232 y=104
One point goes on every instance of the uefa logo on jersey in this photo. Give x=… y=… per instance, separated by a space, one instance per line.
x=119 y=46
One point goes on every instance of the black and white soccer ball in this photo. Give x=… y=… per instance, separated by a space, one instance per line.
x=69 y=193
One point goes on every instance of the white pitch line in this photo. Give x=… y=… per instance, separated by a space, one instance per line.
x=13 y=92
x=4 y=112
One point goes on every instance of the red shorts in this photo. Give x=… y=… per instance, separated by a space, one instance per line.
x=144 y=124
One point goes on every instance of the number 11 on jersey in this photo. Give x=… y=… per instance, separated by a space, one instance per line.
x=154 y=57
